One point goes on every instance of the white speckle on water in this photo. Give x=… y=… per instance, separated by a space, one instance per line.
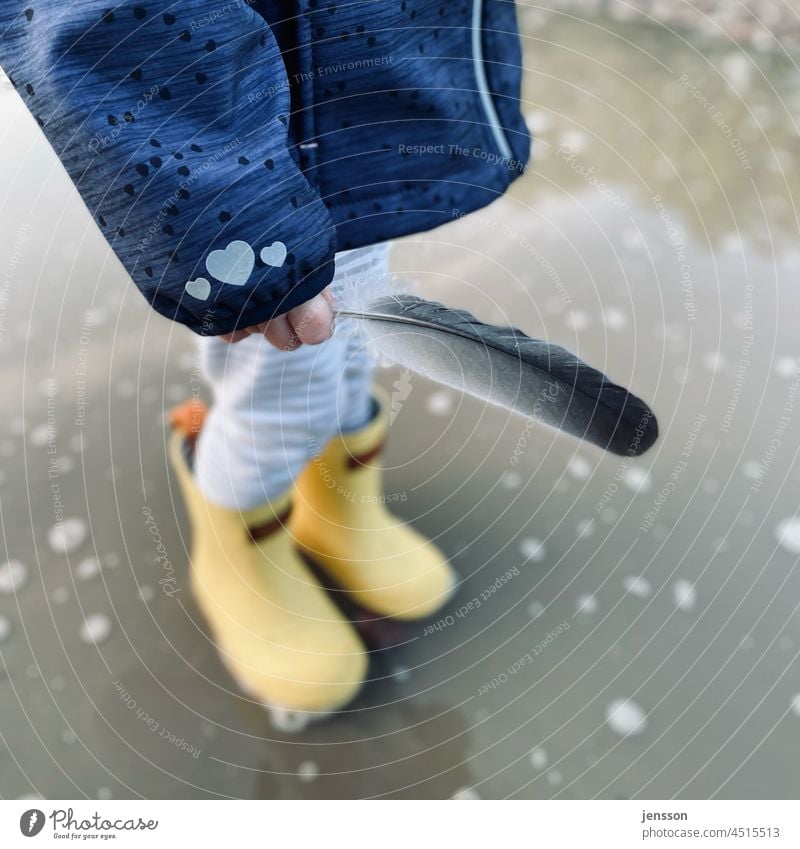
x=13 y=575
x=511 y=480
x=752 y=469
x=580 y=468
x=738 y=68
x=5 y=628
x=786 y=367
x=787 y=533
x=720 y=545
x=637 y=585
x=42 y=434
x=96 y=628
x=587 y=604
x=615 y=319
x=574 y=140
x=578 y=320
x=535 y=609
x=632 y=239
x=660 y=532
x=626 y=718
x=638 y=479
x=67 y=535
x=554 y=778
x=126 y=388
x=440 y=403
x=796 y=704
x=307 y=771
x=466 y=794
x=539 y=122
x=288 y=721
x=65 y=464
x=87 y=568
x=684 y=594
x=68 y=737
x=680 y=375
x=146 y=593
x=533 y=550
x=714 y=360
x=732 y=243
x=59 y=595
x=538 y=758
x=401 y=674
x=585 y=527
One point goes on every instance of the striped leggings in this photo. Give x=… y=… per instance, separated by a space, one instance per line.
x=273 y=410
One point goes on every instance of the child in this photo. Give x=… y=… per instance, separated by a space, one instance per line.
x=241 y=158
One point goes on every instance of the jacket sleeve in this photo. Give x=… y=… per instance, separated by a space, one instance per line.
x=172 y=121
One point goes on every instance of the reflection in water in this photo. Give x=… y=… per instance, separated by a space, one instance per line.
x=709 y=127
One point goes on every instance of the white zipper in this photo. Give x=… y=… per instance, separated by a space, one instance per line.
x=483 y=84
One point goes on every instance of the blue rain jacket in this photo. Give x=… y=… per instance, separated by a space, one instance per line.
x=228 y=149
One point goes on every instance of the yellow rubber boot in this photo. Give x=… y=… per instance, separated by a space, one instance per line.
x=280 y=635
x=340 y=520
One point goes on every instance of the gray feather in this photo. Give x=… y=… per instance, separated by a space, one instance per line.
x=505 y=367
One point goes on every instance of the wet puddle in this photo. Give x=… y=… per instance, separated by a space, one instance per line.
x=623 y=628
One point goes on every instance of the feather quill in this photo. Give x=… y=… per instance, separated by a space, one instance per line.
x=505 y=367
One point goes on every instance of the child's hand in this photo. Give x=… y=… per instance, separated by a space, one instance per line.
x=310 y=324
